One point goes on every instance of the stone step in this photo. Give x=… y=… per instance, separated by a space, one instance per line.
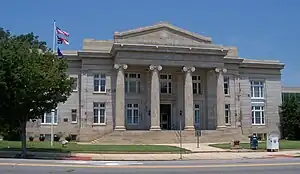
x=169 y=137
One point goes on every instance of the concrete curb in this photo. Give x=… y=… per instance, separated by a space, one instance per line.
x=150 y=159
x=139 y=157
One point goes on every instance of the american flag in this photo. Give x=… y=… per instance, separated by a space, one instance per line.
x=61 y=40
x=60 y=31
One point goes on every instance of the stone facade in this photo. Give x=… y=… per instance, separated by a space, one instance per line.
x=162 y=77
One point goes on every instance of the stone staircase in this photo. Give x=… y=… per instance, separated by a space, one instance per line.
x=170 y=137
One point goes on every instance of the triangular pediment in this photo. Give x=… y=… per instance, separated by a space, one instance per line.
x=161 y=34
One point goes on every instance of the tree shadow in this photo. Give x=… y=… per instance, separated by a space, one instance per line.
x=36 y=153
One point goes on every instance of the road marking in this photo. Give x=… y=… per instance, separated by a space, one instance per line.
x=108 y=163
x=112 y=164
x=150 y=166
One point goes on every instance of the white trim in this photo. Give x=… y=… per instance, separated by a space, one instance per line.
x=98 y=113
x=77 y=83
x=74 y=122
x=258 y=102
x=49 y=124
x=168 y=81
x=44 y=118
x=229 y=114
x=262 y=118
x=137 y=81
x=261 y=89
x=132 y=108
x=99 y=79
x=199 y=84
x=228 y=85
x=198 y=109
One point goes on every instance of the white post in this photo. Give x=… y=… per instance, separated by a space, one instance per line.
x=52 y=122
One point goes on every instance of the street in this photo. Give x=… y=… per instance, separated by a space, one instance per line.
x=256 y=166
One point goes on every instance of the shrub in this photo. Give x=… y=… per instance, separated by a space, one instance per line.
x=31 y=138
x=56 y=138
x=68 y=138
x=42 y=138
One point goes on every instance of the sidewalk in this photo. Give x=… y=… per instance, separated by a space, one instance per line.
x=192 y=156
x=203 y=147
x=154 y=157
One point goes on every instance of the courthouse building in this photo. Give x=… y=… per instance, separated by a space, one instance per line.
x=160 y=78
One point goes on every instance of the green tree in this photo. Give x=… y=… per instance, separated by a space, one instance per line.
x=32 y=80
x=290 y=119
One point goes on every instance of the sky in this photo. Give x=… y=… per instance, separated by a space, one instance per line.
x=261 y=29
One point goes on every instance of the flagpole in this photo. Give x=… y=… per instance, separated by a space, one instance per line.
x=54 y=36
x=52 y=112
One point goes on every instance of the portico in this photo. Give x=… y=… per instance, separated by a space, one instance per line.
x=171 y=89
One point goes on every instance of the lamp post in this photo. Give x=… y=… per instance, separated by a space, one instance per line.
x=180 y=134
x=52 y=122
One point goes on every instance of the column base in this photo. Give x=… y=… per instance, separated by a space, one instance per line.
x=189 y=128
x=120 y=128
x=155 y=128
x=221 y=127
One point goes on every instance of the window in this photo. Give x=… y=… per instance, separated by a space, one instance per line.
x=132 y=113
x=257 y=89
x=226 y=85
x=197 y=85
x=74 y=115
x=132 y=82
x=99 y=113
x=197 y=114
x=99 y=83
x=75 y=83
x=166 y=84
x=227 y=114
x=258 y=116
x=47 y=118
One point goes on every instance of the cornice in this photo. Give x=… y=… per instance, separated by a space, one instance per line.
x=288 y=89
x=262 y=65
x=94 y=54
x=165 y=48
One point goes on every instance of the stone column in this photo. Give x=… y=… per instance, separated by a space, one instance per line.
x=83 y=102
x=220 y=98
x=188 y=98
x=155 y=97
x=120 y=97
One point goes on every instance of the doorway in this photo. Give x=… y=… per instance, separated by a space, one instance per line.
x=165 y=117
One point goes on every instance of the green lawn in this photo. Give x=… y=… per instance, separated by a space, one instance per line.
x=73 y=147
x=284 y=144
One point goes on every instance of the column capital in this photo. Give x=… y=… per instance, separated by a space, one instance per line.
x=155 y=67
x=188 y=69
x=219 y=70
x=120 y=66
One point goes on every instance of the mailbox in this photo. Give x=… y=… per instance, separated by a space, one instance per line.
x=272 y=142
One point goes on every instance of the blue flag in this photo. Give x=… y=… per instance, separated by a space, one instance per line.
x=59 y=53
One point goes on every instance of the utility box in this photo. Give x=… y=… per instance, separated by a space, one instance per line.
x=272 y=142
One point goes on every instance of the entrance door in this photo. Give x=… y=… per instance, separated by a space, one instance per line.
x=165 y=117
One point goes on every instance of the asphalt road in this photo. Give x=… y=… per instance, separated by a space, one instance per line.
x=245 y=166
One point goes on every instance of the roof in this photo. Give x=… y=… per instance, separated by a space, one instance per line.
x=162 y=25
x=290 y=89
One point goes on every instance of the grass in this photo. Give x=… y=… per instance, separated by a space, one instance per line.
x=73 y=147
x=284 y=144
